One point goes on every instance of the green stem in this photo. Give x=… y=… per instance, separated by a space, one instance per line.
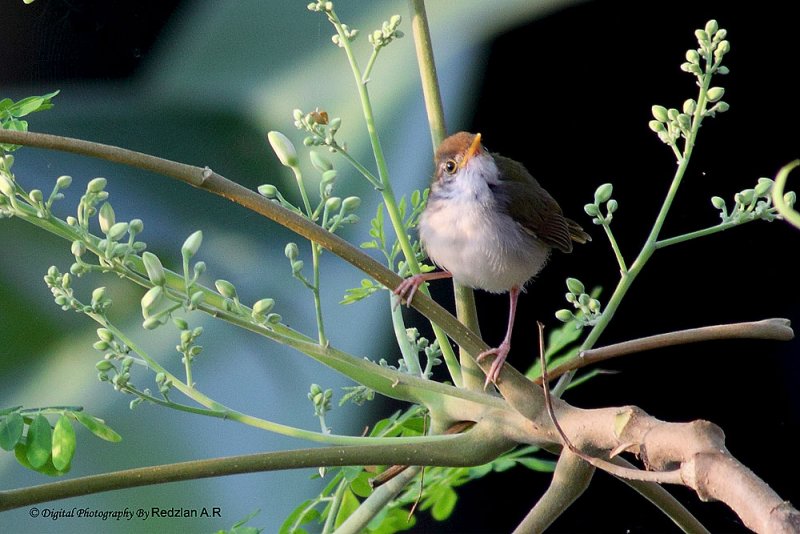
x=471 y=448
x=208 y=180
x=791 y=216
x=697 y=233
x=651 y=243
x=315 y=254
x=623 y=268
x=335 y=504
x=386 y=189
x=221 y=411
x=410 y=355
x=360 y=168
x=370 y=64
x=470 y=375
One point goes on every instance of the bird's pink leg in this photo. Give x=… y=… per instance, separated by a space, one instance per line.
x=409 y=286
x=502 y=351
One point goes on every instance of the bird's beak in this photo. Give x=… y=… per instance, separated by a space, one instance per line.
x=473 y=149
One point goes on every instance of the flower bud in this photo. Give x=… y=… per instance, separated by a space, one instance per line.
x=351 y=204
x=764 y=186
x=564 y=316
x=96 y=185
x=659 y=113
x=36 y=195
x=106 y=217
x=78 y=248
x=98 y=295
x=192 y=244
x=591 y=209
x=263 y=306
x=136 y=226
x=117 y=231
x=612 y=206
x=150 y=300
x=711 y=27
x=155 y=271
x=268 y=190
x=656 y=126
x=283 y=148
x=104 y=365
x=689 y=106
x=718 y=202
x=63 y=182
x=320 y=162
x=692 y=56
x=105 y=334
x=6 y=186
x=333 y=204
x=225 y=288
x=575 y=286
x=603 y=193
x=702 y=36
x=291 y=250
x=297 y=266
x=715 y=93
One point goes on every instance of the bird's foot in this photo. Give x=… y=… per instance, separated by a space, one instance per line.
x=500 y=353
x=407 y=289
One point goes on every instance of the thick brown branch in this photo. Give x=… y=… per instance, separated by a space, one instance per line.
x=696 y=450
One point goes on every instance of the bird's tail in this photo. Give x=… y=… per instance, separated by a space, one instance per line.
x=577 y=233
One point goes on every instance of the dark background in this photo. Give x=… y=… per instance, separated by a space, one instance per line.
x=570 y=95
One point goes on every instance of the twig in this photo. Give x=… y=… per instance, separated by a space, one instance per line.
x=777 y=329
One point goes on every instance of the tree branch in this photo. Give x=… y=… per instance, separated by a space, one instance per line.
x=570 y=479
x=475 y=447
x=777 y=329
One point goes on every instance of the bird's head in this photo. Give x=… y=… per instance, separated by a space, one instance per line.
x=462 y=154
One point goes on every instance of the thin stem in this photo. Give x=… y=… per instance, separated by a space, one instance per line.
x=791 y=216
x=776 y=329
x=315 y=254
x=697 y=233
x=470 y=375
x=408 y=352
x=207 y=180
x=334 y=506
x=615 y=247
x=360 y=168
x=650 y=245
x=383 y=174
x=370 y=64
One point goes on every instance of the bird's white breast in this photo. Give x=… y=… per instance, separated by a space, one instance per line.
x=462 y=231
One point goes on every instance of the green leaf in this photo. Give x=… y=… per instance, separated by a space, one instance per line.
x=391 y=521
x=21 y=453
x=63 y=445
x=360 y=485
x=305 y=513
x=11 y=430
x=535 y=464
x=39 y=441
x=349 y=504
x=96 y=426
x=444 y=504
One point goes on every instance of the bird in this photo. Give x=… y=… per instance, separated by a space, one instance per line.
x=489 y=225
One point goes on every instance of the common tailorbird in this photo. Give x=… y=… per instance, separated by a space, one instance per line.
x=489 y=225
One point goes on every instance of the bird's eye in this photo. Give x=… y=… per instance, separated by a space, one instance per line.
x=450 y=166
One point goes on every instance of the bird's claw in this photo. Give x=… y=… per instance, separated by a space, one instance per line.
x=407 y=289
x=501 y=353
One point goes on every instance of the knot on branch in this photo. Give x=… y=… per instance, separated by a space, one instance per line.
x=669 y=445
